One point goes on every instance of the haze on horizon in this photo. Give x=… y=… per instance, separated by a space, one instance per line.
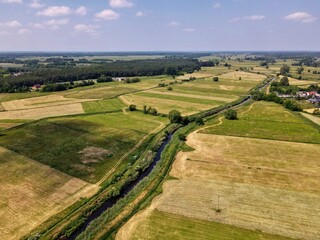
x=161 y=25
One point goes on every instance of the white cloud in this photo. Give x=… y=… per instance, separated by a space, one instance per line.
x=11 y=1
x=89 y=29
x=55 y=11
x=24 y=31
x=81 y=11
x=36 y=4
x=36 y=25
x=174 y=24
x=121 y=3
x=11 y=24
x=254 y=17
x=140 y=14
x=217 y=5
x=188 y=30
x=53 y=22
x=302 y=17
x=251 y=18
x=107 y=14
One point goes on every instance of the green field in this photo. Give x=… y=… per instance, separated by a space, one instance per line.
x=103 y=106
x=175 y=227
x=63 y=143
x=268 y=121
x=201 y=94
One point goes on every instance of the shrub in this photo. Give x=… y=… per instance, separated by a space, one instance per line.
x=215 y=79
x=316 y=112
x=182 y=137
x=169 y=88
x=175 y=116
x=132 y=108
x=292 y=105
x=199 y=121
x=231 y=114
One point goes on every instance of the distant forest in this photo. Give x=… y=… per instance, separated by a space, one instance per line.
x=32 y=76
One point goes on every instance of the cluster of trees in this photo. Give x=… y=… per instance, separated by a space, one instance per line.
x=150 y=67
x=150 y=110
x=132 y=80
x=293 y=105
x=58 y=87
x=307 y=61
x=104 y=78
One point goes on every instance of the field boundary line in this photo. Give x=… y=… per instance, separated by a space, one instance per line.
x=104 y=178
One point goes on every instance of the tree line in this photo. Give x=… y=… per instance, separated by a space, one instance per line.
x=150 y=67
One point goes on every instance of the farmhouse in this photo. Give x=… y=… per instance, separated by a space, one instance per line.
x=35 y=87
x=119 y=79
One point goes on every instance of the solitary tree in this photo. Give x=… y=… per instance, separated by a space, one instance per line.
x=231 y=114
x=284 y=81
x=175 y=116
x=199 y=121
x=132 y=107
x=284 y=69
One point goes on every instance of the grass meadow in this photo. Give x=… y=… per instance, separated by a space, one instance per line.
x=63 y=143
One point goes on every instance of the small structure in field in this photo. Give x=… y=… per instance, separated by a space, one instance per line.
x=36 y=87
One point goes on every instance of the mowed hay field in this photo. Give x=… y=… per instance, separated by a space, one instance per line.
x=85 y=146
x=115 y=89
x=32 y=192
x=194 y=96
x=184 y=228
x=42 y=107
x=262 y=185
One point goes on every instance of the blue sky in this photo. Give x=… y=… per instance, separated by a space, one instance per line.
x=159 y=25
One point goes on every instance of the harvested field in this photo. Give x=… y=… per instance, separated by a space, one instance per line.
x=44 y=112
x=244 y=76
x=247 y=160
x=312 y=118
x=40 y=102
x=165 y=106
x=32 y=192
x=266 y=209
x=200 y=74
x=258 y=188
x=164 y=92
x=184 y=228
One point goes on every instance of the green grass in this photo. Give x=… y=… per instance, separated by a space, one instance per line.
x=160 y=225
x=103 y=106
x=268 y=121
x=57 y=142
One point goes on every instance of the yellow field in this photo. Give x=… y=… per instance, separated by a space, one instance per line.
x=29 y=197
x=164 y=92
x=200 y=74
x=42 y=107
x=244 y=76
x=265 y=185
x=41 y=102
x=165 y=106
x=312 y=118
x=37 y=113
